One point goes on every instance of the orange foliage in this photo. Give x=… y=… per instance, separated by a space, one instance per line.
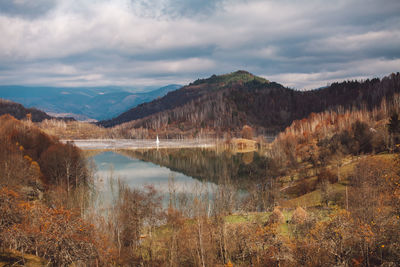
x=57 y=234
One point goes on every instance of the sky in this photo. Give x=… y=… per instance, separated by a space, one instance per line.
x=302 y=44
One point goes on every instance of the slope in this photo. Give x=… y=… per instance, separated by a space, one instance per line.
x=20 y=112
x=200 y=89
x=228 y=102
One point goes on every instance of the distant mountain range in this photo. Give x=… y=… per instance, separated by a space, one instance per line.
x=228 y=102
x=81 y=103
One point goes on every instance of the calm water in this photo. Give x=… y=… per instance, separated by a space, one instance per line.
x=190 y=171
x=113 y=167
x=137 y=173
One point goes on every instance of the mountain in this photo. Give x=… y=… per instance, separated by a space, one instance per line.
x=82 y=103
x=19 y=111
x=228 y=102
x=201 y=88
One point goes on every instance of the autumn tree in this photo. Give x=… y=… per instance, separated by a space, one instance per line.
x=135 y=216
x=56 y=234
x=64 y=165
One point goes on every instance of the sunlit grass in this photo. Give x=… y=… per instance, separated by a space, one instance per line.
x=15 y=258
x=313 y=198
x=259 y=217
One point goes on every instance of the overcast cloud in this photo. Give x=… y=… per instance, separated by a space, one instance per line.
x=302 y=44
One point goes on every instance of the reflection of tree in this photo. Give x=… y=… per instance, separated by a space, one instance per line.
x=248 y=158
x=249 y=171
x=206 y=164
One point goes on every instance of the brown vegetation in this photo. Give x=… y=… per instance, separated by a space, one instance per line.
x=223 y=104
x=43 y=198
x=35 y=167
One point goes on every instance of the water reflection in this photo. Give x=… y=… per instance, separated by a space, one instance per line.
x=250 y=175
x=137 y=173
x=207 y=164
x=247 y=176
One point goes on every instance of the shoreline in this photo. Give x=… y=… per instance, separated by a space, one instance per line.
x=132 y=144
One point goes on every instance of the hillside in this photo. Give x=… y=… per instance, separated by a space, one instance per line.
x=43 y=187
x=228 y=102
x=19 y=111
x=200 y=90
x=81 y=103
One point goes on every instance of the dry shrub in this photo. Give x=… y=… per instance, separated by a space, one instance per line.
x=56 y=234
x=327 y=175
x=276 y=216
x=299 y=216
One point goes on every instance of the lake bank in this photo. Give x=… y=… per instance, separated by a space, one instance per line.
x=132 y=144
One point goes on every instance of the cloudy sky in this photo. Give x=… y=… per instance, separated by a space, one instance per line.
x=300 y=43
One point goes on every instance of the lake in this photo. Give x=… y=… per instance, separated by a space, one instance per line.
x=114 y=167
x=183 y=171
x=137 y=173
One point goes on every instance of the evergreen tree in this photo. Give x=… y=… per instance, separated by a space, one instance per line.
x=394 y=124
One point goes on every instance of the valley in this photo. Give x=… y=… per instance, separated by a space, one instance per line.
x=237 y=187
x=172 y=133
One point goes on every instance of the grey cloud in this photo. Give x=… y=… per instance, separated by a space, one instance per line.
x=151 y=42
x=175 y=53
x=27 y=8
x=191 y=7
x=176 y=8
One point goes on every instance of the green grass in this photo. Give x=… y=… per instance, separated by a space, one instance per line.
x=259 y=217
x=313 y=198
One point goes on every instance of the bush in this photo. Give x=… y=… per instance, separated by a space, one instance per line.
x=326 y=175
x=276 y=216
x=299 y=216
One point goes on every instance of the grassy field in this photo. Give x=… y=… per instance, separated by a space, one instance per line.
x=314 y=198
x=291 y=186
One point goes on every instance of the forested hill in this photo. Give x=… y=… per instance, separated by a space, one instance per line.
x=19 y=111
x=229 y=101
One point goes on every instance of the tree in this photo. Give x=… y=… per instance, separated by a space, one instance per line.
x=394 y=128
x=57 y=234
x=394 y=123
x=362 y=137
x=64 y=165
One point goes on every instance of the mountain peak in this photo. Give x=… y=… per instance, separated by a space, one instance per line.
x=240 y=76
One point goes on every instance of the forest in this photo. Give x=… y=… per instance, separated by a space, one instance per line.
x=18 y=111
x=220 y=106
x=223 y=104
